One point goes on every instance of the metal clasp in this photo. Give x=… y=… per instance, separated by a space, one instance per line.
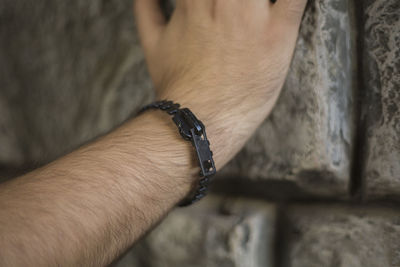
x=193 y=130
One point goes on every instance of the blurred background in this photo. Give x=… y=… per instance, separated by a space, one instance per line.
x=317 y=185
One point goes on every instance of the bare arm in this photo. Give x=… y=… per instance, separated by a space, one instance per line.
x=226 y=61
x=89 y=206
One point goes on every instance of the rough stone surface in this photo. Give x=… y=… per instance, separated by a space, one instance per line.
x=308 y=137
x=381 y=108
x=213 y=233
x=337 y=236
x=69 y=71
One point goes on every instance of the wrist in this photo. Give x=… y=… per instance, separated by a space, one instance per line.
x=193 y=130
x=230 y=119
x=157 y=146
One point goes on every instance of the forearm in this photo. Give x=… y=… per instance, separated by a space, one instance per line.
x=88 y=207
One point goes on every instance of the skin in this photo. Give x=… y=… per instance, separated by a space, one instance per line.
x=226 y=61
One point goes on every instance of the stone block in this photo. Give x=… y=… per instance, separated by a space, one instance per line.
x=307 y=140
x=381 y=99
x=215 y=232
x=69 y=71
x=327 y=235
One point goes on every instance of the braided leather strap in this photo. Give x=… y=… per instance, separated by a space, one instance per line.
x=191 y=129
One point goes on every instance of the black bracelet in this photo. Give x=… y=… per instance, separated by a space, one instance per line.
x=191 y=129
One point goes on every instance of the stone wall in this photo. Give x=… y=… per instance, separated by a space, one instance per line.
x=318 y=183
x=381 y=99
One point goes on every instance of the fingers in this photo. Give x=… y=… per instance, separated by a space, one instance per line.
x=150 y=20
x=289 y=11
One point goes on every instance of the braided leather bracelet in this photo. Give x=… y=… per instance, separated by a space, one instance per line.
x=191 y=129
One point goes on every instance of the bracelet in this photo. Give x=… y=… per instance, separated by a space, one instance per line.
x=191 y=129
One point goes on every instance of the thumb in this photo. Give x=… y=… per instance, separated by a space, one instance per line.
x=150 y=21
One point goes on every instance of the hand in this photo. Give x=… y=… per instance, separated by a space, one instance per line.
x=225 y=59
